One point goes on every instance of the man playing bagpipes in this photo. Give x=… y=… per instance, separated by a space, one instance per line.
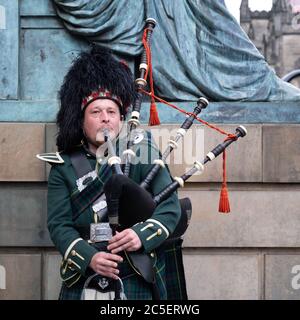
x=136 y=261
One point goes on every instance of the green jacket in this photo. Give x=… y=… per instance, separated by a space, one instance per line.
x=76 y=252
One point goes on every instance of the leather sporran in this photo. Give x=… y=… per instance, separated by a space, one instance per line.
x=98 y=287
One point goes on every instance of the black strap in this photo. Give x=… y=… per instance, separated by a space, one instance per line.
x=82 y=167
x=80 y=163
x=143 y=263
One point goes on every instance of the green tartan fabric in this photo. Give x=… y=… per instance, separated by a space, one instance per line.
x=135 y=287
x=175 y=277
x=81 y=200
x=169 y=274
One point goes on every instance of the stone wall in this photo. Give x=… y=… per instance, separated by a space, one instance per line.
x=251 y=253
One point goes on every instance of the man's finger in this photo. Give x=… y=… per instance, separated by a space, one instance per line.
x=118 y=236
x=120 y=248
x=118 y=243
x=112 y=257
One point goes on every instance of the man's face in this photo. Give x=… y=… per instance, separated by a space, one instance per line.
x=100 y=114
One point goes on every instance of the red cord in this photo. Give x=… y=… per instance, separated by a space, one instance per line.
x=224 y=205
x=229 y=135
x=154 y=119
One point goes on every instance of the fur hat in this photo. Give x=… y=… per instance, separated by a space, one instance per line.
x=93 y=75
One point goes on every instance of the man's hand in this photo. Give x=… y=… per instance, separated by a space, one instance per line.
x=125 y=240
x=106 y=264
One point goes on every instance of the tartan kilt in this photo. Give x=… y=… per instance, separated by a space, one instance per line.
x=170 y=278
x=174 y=270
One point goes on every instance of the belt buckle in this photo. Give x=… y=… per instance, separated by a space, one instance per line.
x=100 y=232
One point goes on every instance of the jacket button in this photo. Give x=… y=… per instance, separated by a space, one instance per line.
x=152 y=254
x=159 y=232
x=73 y=253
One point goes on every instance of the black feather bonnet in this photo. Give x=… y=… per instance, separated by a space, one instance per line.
x=91 y=71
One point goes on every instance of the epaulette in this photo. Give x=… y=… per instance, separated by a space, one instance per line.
x=51 y=157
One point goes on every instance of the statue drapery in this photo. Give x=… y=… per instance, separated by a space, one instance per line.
x=198 y=48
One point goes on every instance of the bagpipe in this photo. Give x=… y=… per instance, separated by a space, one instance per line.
x=128 y=202
x=133 y=199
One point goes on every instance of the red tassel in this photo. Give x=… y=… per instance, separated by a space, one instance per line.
x=224 y=206
x=153 y=119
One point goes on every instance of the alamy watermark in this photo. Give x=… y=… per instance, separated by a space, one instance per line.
x=295 y=283
x=2 y=278
x=148 y=147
